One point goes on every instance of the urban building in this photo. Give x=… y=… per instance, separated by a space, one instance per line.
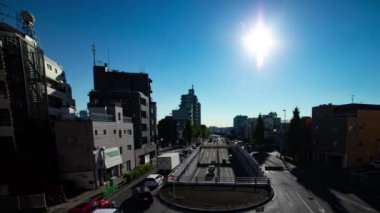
x=96 y=149
x=132 y=91
x=58 y=90
x=30 y=99
x=189 y=110
x=241 y=128
x=345 y=135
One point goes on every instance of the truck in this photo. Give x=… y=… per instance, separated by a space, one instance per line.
x=167 y=162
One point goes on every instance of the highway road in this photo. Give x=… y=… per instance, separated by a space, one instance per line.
x=292 y=194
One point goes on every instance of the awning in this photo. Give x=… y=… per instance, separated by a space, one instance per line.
x=112 y=157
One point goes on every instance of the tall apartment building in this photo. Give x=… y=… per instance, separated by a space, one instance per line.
x=189 y=109
x=241 y=127
x=58 y=90
x=26 y=119
x=132 y=91
x=345 y=135
x=95 y=149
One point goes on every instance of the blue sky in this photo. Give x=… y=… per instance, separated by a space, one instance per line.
x=325 y=51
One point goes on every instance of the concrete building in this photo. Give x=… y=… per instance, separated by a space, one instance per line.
x=132 y=91
x=345 y=135
x=58 y=90
x=241 y=127
x=189 y=110
x=97 y=149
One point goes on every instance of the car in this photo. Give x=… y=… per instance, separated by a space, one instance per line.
x=90 y=206
x=107 y=210
x=376 y=164
x=142 y=194
x=154 y=180
x=211 y=171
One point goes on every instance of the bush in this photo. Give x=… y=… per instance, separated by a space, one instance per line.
x=139 y=171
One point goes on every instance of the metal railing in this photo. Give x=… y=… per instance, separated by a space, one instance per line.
x=250 y=181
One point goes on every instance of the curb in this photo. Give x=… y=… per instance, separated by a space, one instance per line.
x=215 y=210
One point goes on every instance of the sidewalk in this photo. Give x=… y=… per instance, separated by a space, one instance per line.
x=93 y=194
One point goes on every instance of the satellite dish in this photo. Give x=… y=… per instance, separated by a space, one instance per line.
x=27 y=18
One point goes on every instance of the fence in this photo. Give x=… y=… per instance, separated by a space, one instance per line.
x=250 y=181
x=24 y=202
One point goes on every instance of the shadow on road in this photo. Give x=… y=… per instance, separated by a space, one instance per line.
x=261 y=157
x=130 y=205
x=321 y=182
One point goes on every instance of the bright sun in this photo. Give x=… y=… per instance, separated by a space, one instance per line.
x=259 y=42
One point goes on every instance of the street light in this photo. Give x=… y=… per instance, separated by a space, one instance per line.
x=284 y=132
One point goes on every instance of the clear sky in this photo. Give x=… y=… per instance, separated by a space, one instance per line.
x=325 y=50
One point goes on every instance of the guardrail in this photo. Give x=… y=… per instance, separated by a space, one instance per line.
x=23 y=202
x=180 y=169
x=247 y=181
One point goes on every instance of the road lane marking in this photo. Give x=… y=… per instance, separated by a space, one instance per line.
x=308 y=207
x=290 y=200
x=320 y=208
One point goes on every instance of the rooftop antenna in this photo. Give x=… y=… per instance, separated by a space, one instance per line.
x=93 y=52
x=109 y=60
x=352 y=99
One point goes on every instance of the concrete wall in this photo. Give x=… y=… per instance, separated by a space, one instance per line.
x=74 y=143
x=83 y=180
x=116 y=134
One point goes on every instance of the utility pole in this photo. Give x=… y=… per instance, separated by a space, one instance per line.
x=93 y=52
x=352 y=99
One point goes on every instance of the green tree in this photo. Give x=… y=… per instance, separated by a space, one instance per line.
x=189 y=132
x=167 y=130
x=293 y=134
x=204 y=131
x=258 y=134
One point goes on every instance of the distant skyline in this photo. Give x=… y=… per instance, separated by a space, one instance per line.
x=325 y=51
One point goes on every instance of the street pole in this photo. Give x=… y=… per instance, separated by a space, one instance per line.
x=284 y=133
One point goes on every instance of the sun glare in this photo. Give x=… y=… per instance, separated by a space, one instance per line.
x=259 y=42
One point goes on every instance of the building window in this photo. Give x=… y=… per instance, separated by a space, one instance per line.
x=114 y=131
x=125 y=131
x=55 y=69
x=143 y=114
x=144 y=127
x=3 y=91
x=129 y=147
x=128 y=164
x=129 y=132
x=96 y=132
x=119 y=133
x=143 y=101
x=49 y=66
x=5 y=117
x=105 y=132
x=144 y=140
x=121 y=150
x=119 y=116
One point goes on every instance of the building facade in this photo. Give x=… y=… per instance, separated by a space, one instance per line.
x=345 y=135
x=58 y=90
x=241 y=127
x=97 y=149
x=132 y=91
x=189 y=110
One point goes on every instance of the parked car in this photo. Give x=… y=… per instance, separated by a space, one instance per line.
x=142 y=194
x=376 y=164
x=90 y=206
x=154 y=180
